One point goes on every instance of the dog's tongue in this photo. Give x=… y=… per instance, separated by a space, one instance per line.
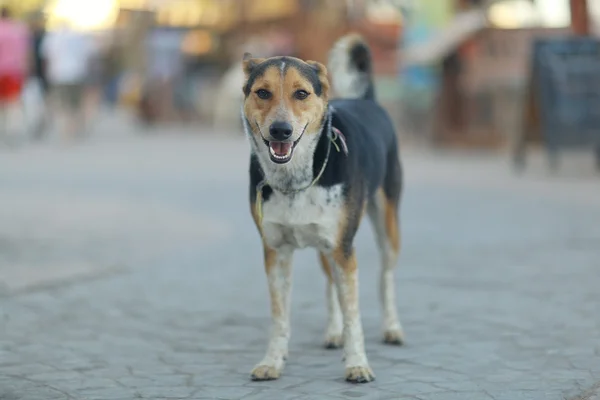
x=279 y=148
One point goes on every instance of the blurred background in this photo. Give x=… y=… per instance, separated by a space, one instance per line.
x=451 y=72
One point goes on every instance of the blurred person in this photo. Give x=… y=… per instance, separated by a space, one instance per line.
x=13 y=67
x=113 y=68
x=165 y=64
x=68 y=53
x=38 y=34
x=94 y=82
x=185 y=86
x=39 y=70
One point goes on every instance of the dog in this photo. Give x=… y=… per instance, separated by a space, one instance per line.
x=316 y=167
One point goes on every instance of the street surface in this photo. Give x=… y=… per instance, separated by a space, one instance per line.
x=130 y=269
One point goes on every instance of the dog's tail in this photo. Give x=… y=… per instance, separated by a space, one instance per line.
x=351 y=68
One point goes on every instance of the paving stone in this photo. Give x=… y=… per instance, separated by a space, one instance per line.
x=497 y=285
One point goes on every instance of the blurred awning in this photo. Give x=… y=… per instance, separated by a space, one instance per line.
x=446 y=40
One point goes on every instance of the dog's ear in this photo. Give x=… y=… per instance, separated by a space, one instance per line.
x=321 y=71
x=249 y=63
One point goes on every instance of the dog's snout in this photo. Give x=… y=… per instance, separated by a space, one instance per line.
x=281 y=130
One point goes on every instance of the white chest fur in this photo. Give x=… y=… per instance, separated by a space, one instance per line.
x=307 y=219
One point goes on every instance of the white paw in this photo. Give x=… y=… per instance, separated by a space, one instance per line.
x=334 y=341
x=264 y=372
x=394 y=337
x=359 y=374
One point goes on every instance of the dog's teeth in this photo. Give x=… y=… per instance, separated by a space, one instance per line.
x=278 y=156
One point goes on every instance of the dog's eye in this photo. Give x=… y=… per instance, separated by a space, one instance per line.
x=301 y=94
x=263 y=94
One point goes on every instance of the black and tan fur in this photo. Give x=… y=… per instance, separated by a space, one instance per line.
x=314 y=195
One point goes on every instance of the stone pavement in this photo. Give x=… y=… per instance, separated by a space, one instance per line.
x=130 y=269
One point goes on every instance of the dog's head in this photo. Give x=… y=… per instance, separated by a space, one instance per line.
x=285 y=102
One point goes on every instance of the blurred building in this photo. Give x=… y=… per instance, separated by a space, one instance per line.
x=480 y=60
x=464 y=83
x=192 y=44
x=213 y=34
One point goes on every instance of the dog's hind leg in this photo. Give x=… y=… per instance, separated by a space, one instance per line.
x=383 y=213
x=278 y=266
x=335 y=327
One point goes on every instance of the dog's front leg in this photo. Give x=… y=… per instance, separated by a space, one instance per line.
x=278 y=266
x=346 y=279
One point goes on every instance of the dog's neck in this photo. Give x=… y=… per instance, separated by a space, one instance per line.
x=299 y=172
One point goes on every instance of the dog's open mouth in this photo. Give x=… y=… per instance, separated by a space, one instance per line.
x=281 y=152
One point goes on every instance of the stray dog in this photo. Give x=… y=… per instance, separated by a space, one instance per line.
x=316 y=166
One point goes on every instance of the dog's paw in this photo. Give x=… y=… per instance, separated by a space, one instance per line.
x=394 y=337
x=334 y=341
x=359 y=374
x=263 y=372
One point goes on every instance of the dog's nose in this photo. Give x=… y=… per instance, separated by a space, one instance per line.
x=280 y=130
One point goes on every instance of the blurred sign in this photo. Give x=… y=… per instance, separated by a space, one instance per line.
x=565 y=91
x=567 y=87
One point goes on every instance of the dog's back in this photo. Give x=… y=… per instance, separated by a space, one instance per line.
x=364 y=122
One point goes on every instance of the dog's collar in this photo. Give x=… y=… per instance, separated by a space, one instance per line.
x=333 y=134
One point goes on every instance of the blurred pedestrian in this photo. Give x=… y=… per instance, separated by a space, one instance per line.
x=39 y=70
x=14 y=52
x=68 y=53
x=113 y=68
